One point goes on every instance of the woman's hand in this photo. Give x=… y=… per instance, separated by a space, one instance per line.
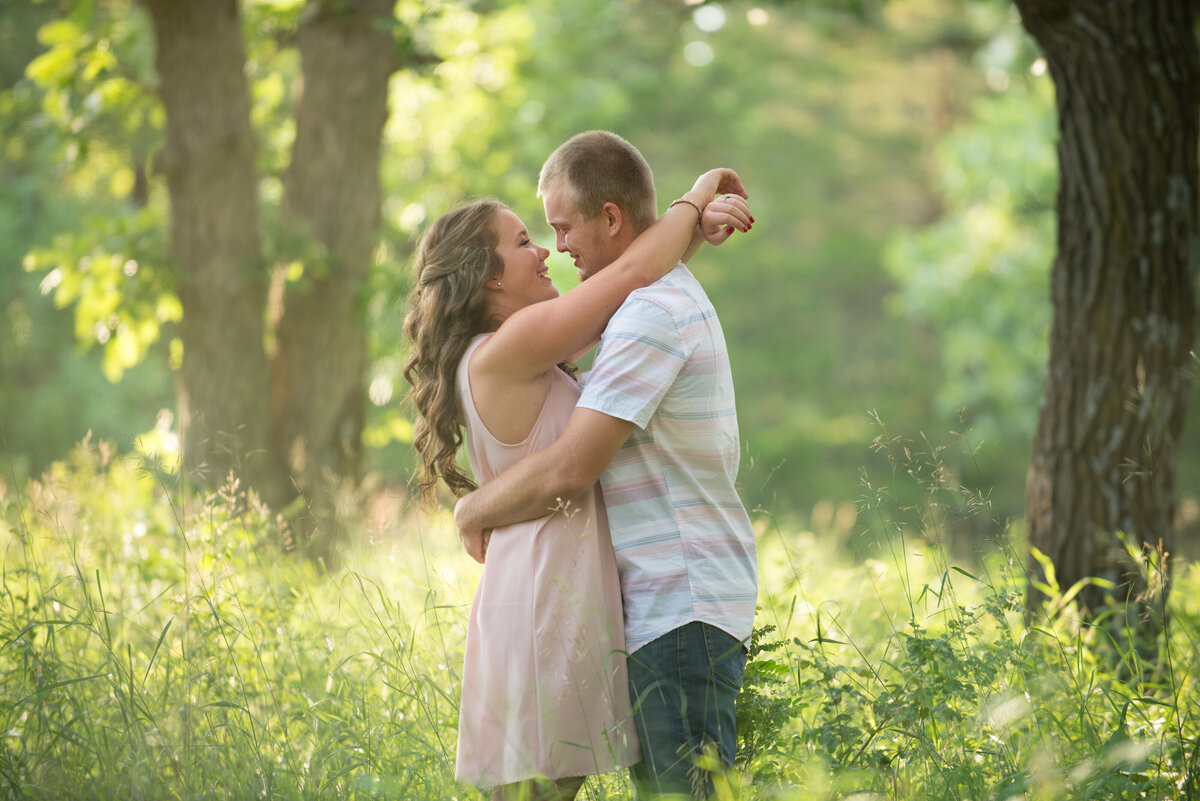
x=721 y=181
x=722 y=216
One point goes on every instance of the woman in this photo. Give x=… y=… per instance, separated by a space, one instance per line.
x=544 y=698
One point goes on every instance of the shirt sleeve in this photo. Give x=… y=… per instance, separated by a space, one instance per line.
x=641 y=354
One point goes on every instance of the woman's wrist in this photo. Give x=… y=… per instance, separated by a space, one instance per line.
x=696 y=198
x=686 y=201
x=699 y=197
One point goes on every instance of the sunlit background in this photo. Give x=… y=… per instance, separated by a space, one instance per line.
x=900 y=162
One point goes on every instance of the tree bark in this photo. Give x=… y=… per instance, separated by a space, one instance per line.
x=214 y=240
x=1127 y=77
x=332 y=188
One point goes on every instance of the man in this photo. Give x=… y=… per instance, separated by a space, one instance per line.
x=657 y=419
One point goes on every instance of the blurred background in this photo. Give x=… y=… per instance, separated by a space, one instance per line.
x=899 y=158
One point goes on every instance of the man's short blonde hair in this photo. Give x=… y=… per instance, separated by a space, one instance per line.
x=600 y=167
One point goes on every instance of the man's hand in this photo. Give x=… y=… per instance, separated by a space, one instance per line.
x=474 y=537
x=529 y=489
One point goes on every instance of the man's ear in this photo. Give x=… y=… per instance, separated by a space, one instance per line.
x=614 y=218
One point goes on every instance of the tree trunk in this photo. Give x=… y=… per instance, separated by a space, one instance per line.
x=1127 y=76
x=209 y=165
x=332 y=188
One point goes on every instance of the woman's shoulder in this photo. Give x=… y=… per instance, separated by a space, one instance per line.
x=462 y=381
x=472 y=346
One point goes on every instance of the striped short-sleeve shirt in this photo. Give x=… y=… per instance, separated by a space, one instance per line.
x=685 y=548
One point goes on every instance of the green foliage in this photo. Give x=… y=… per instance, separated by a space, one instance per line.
x=118 y=303
x=160 y=645
x=899 y=156
x=810 y=105
x=104 y=124
x=53 y=393
x=765 y=706
x=979 y=277
x=945 y=692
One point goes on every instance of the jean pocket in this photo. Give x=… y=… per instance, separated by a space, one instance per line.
x=726 y=656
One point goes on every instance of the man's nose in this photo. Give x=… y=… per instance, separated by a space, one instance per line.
x=560 y=243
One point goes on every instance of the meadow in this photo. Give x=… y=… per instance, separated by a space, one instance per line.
x=157 y=643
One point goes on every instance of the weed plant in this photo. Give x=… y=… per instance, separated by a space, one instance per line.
x=156 y=644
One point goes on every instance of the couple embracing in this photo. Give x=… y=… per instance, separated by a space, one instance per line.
x=609 y=627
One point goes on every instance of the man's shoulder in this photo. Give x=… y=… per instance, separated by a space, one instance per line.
x=674 y=293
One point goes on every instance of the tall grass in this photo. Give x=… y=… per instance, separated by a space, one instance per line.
x=160 y=645
x=156 y=650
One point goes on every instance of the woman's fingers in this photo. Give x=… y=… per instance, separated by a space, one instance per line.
x=738 y=211
x=720 y=181
x=723 y=216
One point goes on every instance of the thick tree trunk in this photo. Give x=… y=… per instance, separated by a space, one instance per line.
x=1127 y=76
x=333 y=189
x=209 y=164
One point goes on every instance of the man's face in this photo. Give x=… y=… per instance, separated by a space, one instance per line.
x=587 y=241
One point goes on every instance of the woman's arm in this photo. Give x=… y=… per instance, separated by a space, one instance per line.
x=537 y=337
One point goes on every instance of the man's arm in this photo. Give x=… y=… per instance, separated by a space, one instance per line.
x=533 y=486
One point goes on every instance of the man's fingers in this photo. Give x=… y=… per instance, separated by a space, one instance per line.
x=475 y=544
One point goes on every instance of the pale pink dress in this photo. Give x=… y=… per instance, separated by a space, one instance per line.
x=545 y=691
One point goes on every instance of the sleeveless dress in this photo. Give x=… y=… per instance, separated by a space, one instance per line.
x=544 y=686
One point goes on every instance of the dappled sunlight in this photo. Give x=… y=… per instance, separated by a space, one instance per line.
x=698 y=53
x=709 y=18
x=380 y=390
x=161 y=446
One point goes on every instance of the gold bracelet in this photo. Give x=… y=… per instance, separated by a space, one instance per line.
x=675 y=203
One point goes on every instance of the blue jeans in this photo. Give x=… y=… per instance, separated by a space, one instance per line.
x=683 y=687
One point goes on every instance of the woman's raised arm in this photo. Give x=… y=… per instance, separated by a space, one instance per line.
x=541 y=335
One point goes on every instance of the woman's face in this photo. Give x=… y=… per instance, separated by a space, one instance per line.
x=524 y=279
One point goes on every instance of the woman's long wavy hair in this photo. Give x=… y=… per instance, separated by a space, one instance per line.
x=455 y=258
